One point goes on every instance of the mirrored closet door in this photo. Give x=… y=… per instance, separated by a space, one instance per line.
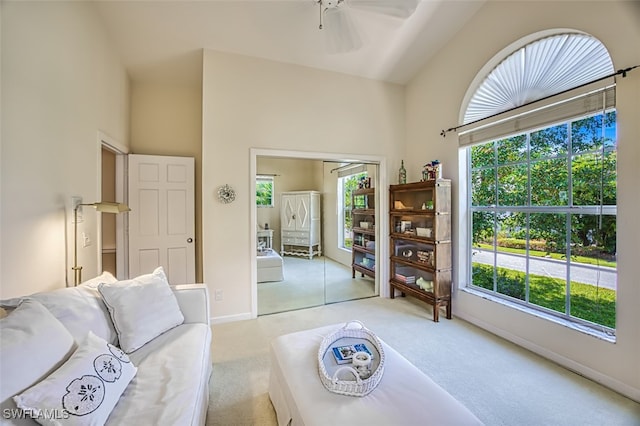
x=316 y=233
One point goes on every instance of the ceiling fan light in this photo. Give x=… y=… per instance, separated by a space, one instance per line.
x=330 y=4
x=340 y=33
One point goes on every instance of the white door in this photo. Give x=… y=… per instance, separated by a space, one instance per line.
x=162 y=216
x=288 y=212
x=302 y=212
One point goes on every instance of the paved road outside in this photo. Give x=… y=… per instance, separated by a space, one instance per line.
x=602 y=276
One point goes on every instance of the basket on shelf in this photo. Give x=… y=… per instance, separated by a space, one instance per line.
x=358 y=386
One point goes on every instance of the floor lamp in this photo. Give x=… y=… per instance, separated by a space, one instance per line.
x=102 y=206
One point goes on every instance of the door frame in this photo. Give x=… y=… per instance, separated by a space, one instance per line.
x=122 y=220
x=382 y=213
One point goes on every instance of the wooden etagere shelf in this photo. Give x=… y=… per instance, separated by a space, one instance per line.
x=363 y=250
x=420 y=223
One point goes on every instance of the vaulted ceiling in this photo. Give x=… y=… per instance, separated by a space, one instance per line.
x=162 y=39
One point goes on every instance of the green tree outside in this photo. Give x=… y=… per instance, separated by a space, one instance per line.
x=350 y=183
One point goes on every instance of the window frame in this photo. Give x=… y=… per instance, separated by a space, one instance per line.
x=569 y=209
x=270 y=179
x=343 y=208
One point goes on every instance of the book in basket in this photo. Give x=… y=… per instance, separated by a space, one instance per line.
x=343 y=354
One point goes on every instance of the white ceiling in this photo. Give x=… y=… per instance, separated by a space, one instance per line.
x=162 y=39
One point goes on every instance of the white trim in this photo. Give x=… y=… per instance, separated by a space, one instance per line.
x=230 y=318
x=122 y=221
x=464 y=220
x=382 y=213
x=111 y=144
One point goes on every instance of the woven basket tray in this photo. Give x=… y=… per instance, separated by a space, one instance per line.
x=357 y=386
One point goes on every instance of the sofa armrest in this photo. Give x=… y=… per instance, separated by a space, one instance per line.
x=193 y=300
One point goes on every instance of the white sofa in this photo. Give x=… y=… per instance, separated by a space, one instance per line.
x=171 y=385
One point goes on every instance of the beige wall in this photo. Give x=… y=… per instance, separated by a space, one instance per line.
x=255 y=103
x=166 y=119
x=434 y=100
x=1 y=133
x=61 y=83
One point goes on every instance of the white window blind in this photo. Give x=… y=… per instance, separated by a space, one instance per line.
x=539 y=69
x=585 y=100
x=544 y=82
x=353 y=170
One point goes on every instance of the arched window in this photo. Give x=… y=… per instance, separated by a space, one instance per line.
x=539 y=69
x=541 y=178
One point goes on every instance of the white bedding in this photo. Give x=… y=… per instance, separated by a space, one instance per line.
x=163 y=391
x=270 y=267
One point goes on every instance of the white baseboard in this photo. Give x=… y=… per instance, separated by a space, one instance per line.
x=230 y=318
x=582 y=370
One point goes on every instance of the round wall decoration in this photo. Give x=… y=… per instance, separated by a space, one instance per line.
x=226 y=194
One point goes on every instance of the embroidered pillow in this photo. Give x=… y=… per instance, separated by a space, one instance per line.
x=141 y=308
x=84 y=390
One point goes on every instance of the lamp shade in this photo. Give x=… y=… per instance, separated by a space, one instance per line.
x=110 y=207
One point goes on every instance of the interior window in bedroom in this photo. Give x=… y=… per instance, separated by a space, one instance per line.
x=346 y=185
x=264 y=191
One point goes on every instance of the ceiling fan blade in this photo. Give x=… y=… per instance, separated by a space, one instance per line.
x=340 y=32
x=398 y=8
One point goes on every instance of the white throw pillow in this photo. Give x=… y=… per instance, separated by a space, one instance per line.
x=141 y=308
x=105 y=277
x=79 y=309
x=32 y=345
x=84 y=390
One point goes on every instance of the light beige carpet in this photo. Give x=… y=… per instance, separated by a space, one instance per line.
x=499 y=382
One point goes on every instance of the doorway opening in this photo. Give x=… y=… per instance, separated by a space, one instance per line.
x=112 y=241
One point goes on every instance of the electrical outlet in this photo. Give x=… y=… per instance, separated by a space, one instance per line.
x=218 y=295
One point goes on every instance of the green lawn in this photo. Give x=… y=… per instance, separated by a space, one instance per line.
x=559 y=256
x=588 y=302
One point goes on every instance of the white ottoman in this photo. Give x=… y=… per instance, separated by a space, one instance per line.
x=269 y=267
x=404 y=396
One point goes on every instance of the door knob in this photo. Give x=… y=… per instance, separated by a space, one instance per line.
x=189 y=240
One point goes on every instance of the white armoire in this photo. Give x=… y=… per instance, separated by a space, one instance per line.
x=300 y=224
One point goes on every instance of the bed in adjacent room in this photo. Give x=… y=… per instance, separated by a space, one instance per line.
x=269 y=266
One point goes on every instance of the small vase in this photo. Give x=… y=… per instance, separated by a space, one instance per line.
x=402 y=174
